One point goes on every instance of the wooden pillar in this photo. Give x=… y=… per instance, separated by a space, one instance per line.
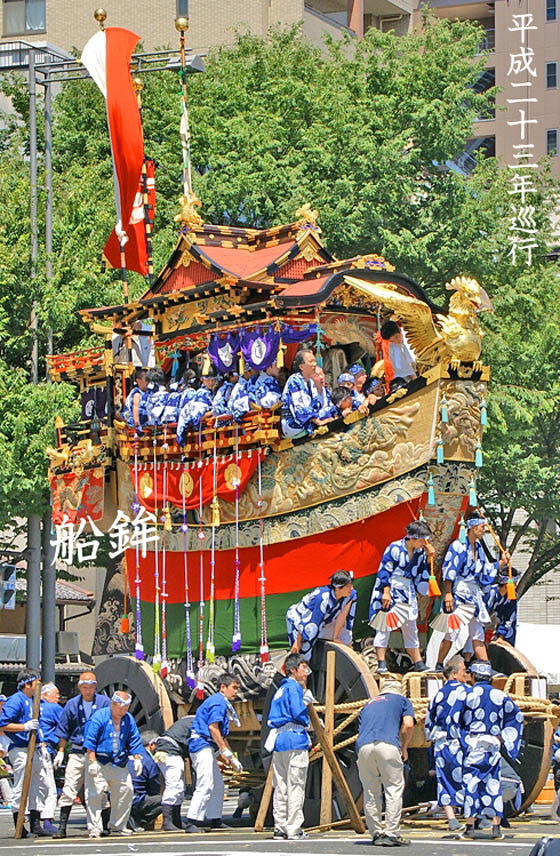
x=356 y=17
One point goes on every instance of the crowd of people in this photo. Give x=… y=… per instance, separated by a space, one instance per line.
x=126 y=779
x=305 y=400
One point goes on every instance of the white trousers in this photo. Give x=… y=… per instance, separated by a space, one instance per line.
x=475 y=630
x=409 y=630
x=49 y=808
x=118 y=782
x=208 y=798
x=6 y=790
x=381 y=769
x=289 y=774
x=172 y=768
x=74 y=779
x=41 y=773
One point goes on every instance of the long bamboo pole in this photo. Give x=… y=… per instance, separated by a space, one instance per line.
x=325 y=816
x=28 y=762
x=265 y=801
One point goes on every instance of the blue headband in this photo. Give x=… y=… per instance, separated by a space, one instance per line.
x=356 y=369
x=345 y=377
x=28 y=680
x=484 y=670
x=120 y=700
x=475 y=521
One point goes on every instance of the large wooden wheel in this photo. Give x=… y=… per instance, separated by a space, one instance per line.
x=151 y=706
x=533 y=762
x=353 y=681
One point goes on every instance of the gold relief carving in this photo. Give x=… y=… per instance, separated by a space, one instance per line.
x=186 y=484
x=190 y=314
x=232 y=476
x=307 y=217
x=308 y=253
x=146 y=485
x=372 y=261
x=345 y=330
x=186 y=259
x=462 y=431
x=188 y=216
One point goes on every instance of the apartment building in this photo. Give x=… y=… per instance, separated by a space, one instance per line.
x=69 y=23
x=522 y=38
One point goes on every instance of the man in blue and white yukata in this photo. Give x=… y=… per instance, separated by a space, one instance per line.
x=242 y=393
x=503 y=612
x=484 y=720
x=402 y=572
x=130 y=412
x=327 y=410
x=197 y=406
x=288 y=741
x=300 y=404
x=267 y=392
x=327 y=612
x=448 y=752
x=207 y=742
x=466 y=571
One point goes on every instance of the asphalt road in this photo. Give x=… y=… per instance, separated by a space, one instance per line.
x=427 y=837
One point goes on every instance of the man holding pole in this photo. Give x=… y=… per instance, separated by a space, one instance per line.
x=17 y=721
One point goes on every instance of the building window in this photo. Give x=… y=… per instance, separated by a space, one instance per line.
x=24 y=16
x=551 y=11
x=551 y=75
x=552 y=142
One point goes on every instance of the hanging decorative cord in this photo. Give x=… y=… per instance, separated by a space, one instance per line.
x=215 y=521
x=125 y=624
x=184 y=129
x=156 y=661
x=201 y=536
x=433 y=587
x=236 y=638
x=166 y=521
x=189 y=669
x=264 y=641
x=139 y=648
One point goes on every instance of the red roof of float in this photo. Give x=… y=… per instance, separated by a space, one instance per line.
x=305 y=287
x=241 y=262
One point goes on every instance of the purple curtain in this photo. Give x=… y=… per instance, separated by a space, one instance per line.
x=259 y=348
x=288 y=334
x=223 y=351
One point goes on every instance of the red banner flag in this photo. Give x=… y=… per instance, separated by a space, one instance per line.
x=107 y=57
x=135 y=250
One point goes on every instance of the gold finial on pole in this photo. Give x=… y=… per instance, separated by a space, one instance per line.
x=100 y=16
x=182 y=17
x=138 y=86
x=181 y=24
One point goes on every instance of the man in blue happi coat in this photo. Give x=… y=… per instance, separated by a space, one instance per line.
x=17 y=722
x=402 y=572
x=485 y=720
x=447 y=750
x=154 y=399
x=503 y=612
x=208 y=741
x=70 y=733
x=466 y=572
x=300 y=404
x=288 y=741
x=49 y=715
x=146 y=802
x=327 y=612
x=198 y=405
x=110 y=737
x=327 y=410
x=242 y=393
x=267 y=392
x=220 y=404
x=130 y=412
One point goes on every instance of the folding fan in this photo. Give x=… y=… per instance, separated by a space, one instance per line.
x=450 y=621
x=392 y=619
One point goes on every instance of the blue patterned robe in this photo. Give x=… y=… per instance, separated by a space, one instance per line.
x=404 y=576
x=172 y=403
x=220 y=404
x=315 y=610
x=327 y=410
x=192 y=412
x=505 y=611
x=266 y=392
x=152 y=404
x=448 y=752
x=483 y=720
x=127 y=411
x=469 y=575
x=241 y=397
x=299 y=405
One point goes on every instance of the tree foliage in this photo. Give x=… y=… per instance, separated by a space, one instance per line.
x=360 y=129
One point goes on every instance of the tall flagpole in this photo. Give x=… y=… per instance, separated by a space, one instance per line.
x=137 y=85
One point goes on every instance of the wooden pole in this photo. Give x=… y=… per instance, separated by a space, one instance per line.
x=340 y=781
x=29 y=762
x=265 y=801
x=325 y=816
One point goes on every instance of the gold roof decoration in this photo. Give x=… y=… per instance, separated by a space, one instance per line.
x=188 y=217
x=372 y=262
x=307 y=217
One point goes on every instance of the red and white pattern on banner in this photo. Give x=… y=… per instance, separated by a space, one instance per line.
x=135 y=249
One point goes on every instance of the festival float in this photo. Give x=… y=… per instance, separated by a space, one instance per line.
x=213 y=541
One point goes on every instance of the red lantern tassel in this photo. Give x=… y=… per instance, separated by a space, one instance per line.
x=433 y=588
x=125 y=624
x=510 y=590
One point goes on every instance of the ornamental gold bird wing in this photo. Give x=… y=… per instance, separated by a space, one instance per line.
x=416 y=316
